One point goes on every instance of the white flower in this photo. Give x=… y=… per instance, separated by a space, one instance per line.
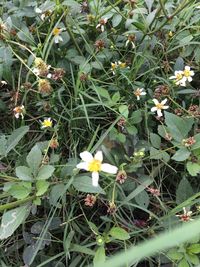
x=46 y=123
x=188 y=73
x=138 y=92
x=44 y=14
x=19 y=111
x=95 y=165
x=3 y=83
x=159 y=106
x=56 y=33
x=101 y=24
x=186 y=216
x=130 y=42
x=179 y=78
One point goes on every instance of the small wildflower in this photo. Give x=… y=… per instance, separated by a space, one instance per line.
x=58 y=74
x=121 y=177
x=83 y=77
x=95 y=165
x=179 y=78
x=54 y=143
x=188 y=73
x=56 y=32
x=153 y=191
x=100 y=240
x=40 y=67
x=90 y=200
x=139 y=154
x=44 y=86
x=139 y=92
x=46 y=123
x=159 y=106
x=122 y=65
x=44 y=14
x=189 y=141
x=102 y=23
x=99 y=44
x=114 y=67
x=112 y=208
x=19 y=111
x=194 y=110
x=186 y=216
x=130 y=40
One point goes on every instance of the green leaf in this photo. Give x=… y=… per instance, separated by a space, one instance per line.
x=56 y=192
x=34 y=159
x=174 y=255
x=197 y=143
x=24 y=173
x=119 y=233
x=155 y=140
x=15 y=137
x=41 y=187
x=178 y=127
x=100 y=256
x=194 y=248
x=117 y=18
x=142 y=199
x=84 y=184
x=193 y=168
x=12 y=219
x=182 y=154
x=103 y=92
x=159 y=154
x=184 y=191
x=45 y=172
x=123 y=109
x=19 y=191
x=132 y=130
x=183 y=263
x=194 y=259
x=136 y=117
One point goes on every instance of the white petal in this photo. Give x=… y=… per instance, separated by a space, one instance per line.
x=138 y=97
x=105 y=167
x=187 y=68
x=98 y=25
x=191 y=73
x=153 y=109
x=164 y=101
x=165 y=107
x=189 y=79
x=143 y=93
x=172 y=77
x=38 y=10
x=95 y=179
x=82 y=166
x=155 y=101
x=86 y=156
x=99 y=156
x=159 y=112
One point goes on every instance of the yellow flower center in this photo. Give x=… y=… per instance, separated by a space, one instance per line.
x=94 y=165
x=47 y=123
x=122 y=65
x=56 y=31
x=137 y=92
x=159 y=106
x=179 y=76
x=113 y=66
x=187 y=73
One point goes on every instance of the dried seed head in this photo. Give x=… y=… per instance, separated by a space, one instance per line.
x=178 y=111
x=58 y=74
x=99 y=44
x=83 y=77
x=121 y=177
x=153 y=191
x=112 y=208
x=54 y=143
x=44 y=86
x=189 y=141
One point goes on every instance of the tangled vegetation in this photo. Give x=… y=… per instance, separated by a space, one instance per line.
x=100 y=132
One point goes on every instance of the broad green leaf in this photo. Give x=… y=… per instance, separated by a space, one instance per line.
x=136 y=117
x=15 y=137
x=56 y=192
x=159 y=154
x=183 y=263
x=193 y=168
x=132 y=130
x=194 y=259
x=34 y=159
x=182 y=154
x=41 y=187
x=100 y=256
x=123 y=109
x=184 y=191
x=45 y=172
x=149 y=4
x=142 y=199
x=178 y=127
x=197 y=143
x=194 y=248
x=117 y=18
x=119 y=233
x=84 y=184
x=24 y=173
x=155 y=140
x=12 y=219
x=103 y=92
x=150 y=17
x=19 y=191
x=174 y=255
